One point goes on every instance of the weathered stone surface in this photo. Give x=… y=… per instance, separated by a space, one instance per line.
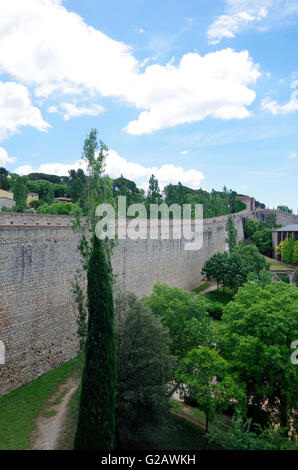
x=38 y=262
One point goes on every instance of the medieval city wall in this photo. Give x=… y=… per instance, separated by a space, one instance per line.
x=38 y=260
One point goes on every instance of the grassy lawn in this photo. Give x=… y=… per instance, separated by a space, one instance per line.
x=278 y=265
x=202 y=287
x=216 y=325
x=180 y=435
x=220 y=296
x=19 y=409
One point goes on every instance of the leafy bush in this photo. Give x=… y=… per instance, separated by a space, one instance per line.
x=215 y=310
x=184 y=314
x=57 y=208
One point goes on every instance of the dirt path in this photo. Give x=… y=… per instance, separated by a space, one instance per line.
x=209 y=289
x=190 y=420
x=49 y=428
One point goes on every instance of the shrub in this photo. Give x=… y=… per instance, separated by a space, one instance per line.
x=215 y=310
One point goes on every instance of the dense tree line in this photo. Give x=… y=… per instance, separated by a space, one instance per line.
x=75 y=185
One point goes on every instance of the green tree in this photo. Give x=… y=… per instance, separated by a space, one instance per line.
x=216 y=267
x=263 y=241
x=238 y=435
x=4 y=180
x=208 y=382
x=184 y=315
x=285 y=209
x=60 y=190
x=231 y=239
x=96 y=423
x=287 y=249
x=258 y=329
x=144 y=368
x=295 y=253
x=44 y=189
x=77 y=185
x=127 y=188
x=253 y=257
x=20 y=192
x=153 y=194
x=250 y=227
x=57 y=208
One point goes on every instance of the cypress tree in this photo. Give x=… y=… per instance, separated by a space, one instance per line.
x=97 y=403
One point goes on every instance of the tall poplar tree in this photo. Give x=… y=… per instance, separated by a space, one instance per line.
x=96 y=422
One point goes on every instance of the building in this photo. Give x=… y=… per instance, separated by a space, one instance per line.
x=6 y=199
x=280 y=234
x=248 y=201
x=31 y=197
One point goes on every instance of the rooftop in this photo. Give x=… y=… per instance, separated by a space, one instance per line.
x=288 y=228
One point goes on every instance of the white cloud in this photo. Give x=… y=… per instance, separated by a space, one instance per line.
x=184 y=152
x=239 y=14
x=17 y=110
x=52 y=109
x=65 y=56
x=73 y=111
x=62 y=53
x=293 y=155
x=117 y=165
x=274 y=108
x=4 y=158
x=212 y=85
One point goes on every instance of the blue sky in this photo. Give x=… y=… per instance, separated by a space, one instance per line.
x=198 y=92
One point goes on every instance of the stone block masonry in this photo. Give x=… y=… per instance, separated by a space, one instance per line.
x=38 y=260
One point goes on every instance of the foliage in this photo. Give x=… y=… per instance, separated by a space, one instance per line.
x=239 y=436
x=250 y=227
x=204 y=376
x=96 y=423
x=240 y=206
x=231 y=239
x=153 y=194
x=57 y=208
x=250 y=253
x=259 y=326
x=184 y=315
x=20 y=191
x=287 y=249
x=232 y=270
x=284 y=278
x=77 y=183
x=36 y=203
x=260 y=205
x=125 y=187
x=295 y=253
x=54 y=179
x=60 y=190
x=262 y=278
x=263 y=240
x=216 y=267
x=215 y=310
x=285 y=209
x=144 y=368
x=43 y=188
x=4 y=180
